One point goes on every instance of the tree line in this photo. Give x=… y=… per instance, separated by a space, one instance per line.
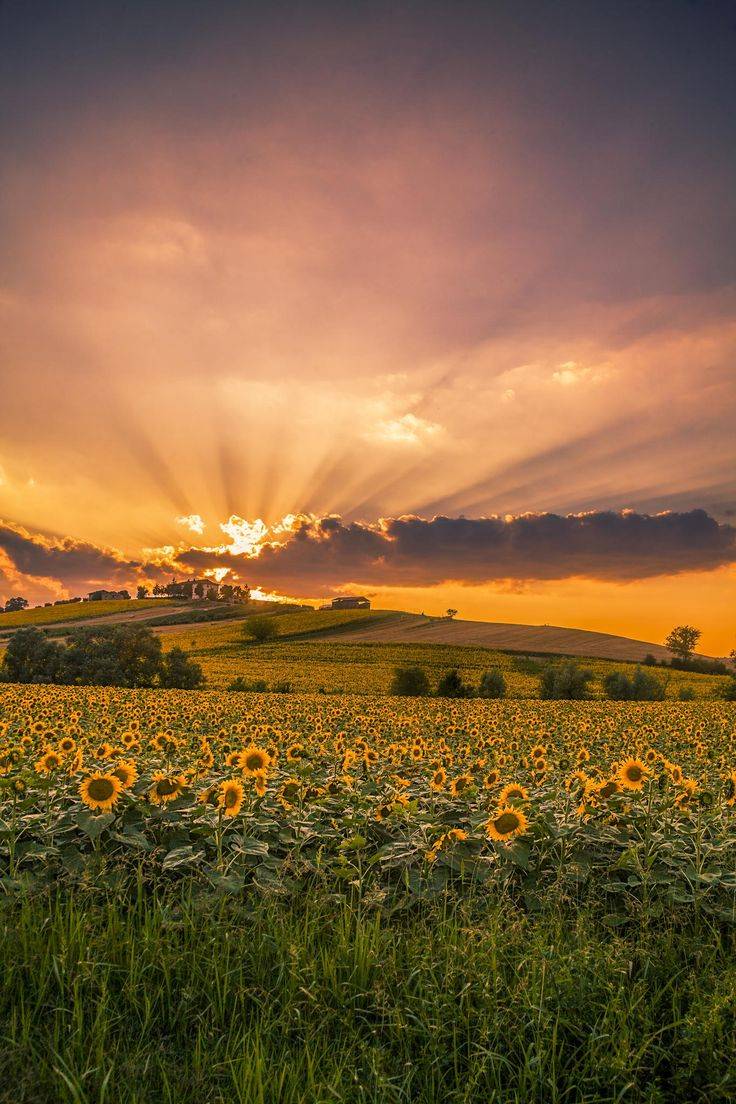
x=111 y=655
x=565 y=681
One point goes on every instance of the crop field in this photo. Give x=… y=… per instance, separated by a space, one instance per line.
x=220 y=896
x=405 y=793
x=77 y=611
x=339 y=666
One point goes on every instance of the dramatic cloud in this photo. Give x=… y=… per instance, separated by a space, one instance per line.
x=317 y=554
x=59 y=566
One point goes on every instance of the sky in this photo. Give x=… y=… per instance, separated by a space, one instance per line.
x=429 y=301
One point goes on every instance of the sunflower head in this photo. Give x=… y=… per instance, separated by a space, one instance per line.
x=126 y=772
x=507 y=822
x=48 y=762
x=166 y=787
x=254 y=760
x=439 y=778
x=513 y=792
x=230 y=797
x=100 y=792
x=632 y=774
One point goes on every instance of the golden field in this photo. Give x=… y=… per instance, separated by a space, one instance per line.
x=346 y=665
x=407 y=794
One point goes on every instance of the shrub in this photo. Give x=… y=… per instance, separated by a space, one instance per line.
x=700 y=666
x=451 y=685
x=284 y=687
x=564 y=682
x=31 y=657
x=261 y=629
x=642 y=687
x=103 y=655
x=492 y=685
x=686 y=694
x=179 y=672
x=409 y=682
x=649 y=660
x=729 y=690
x=258 y=686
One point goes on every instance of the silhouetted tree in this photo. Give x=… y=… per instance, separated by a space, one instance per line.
x=682 y=640
x=141 y=593
x=14 y=604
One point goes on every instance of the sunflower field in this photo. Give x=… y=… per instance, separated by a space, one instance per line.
x=405 y=799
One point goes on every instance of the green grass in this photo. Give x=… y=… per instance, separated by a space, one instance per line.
x=51 y=615
x=174 y=997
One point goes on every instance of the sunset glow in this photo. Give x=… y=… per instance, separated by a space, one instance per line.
x=440 y=308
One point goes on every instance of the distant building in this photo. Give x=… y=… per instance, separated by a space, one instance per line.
x=349 y=602
x=108 y=596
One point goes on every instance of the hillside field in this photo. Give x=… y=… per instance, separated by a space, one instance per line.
x=341 y=662
x=80 y=611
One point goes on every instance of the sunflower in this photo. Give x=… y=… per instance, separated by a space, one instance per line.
x=67 y=745
x=166 y=787
x=295 y=752
x=632 y=774
x=48 y=762
x=491 y=779
x=687 y=793
x=260 y=783
x=230 y=797
x=208 y=796
x=460 y=784
x=506 y=822
x=731 y=788
x=126 y=772
x=100 y=792
x=438 y=780
x=512 y=792
x=253 y=760
x=290 y=791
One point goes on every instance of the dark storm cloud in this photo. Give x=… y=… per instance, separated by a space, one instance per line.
x=412 y=551
x=73 y=564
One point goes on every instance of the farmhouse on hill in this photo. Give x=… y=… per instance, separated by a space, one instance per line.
x=348 y=602
x=108 y=595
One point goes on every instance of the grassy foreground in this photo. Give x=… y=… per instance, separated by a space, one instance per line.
x=174 y=995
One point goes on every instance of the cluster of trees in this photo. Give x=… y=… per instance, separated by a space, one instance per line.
x=566 y=681
x=12 y=605
x=112 y=655
x=202 y=589
x=412 y=682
